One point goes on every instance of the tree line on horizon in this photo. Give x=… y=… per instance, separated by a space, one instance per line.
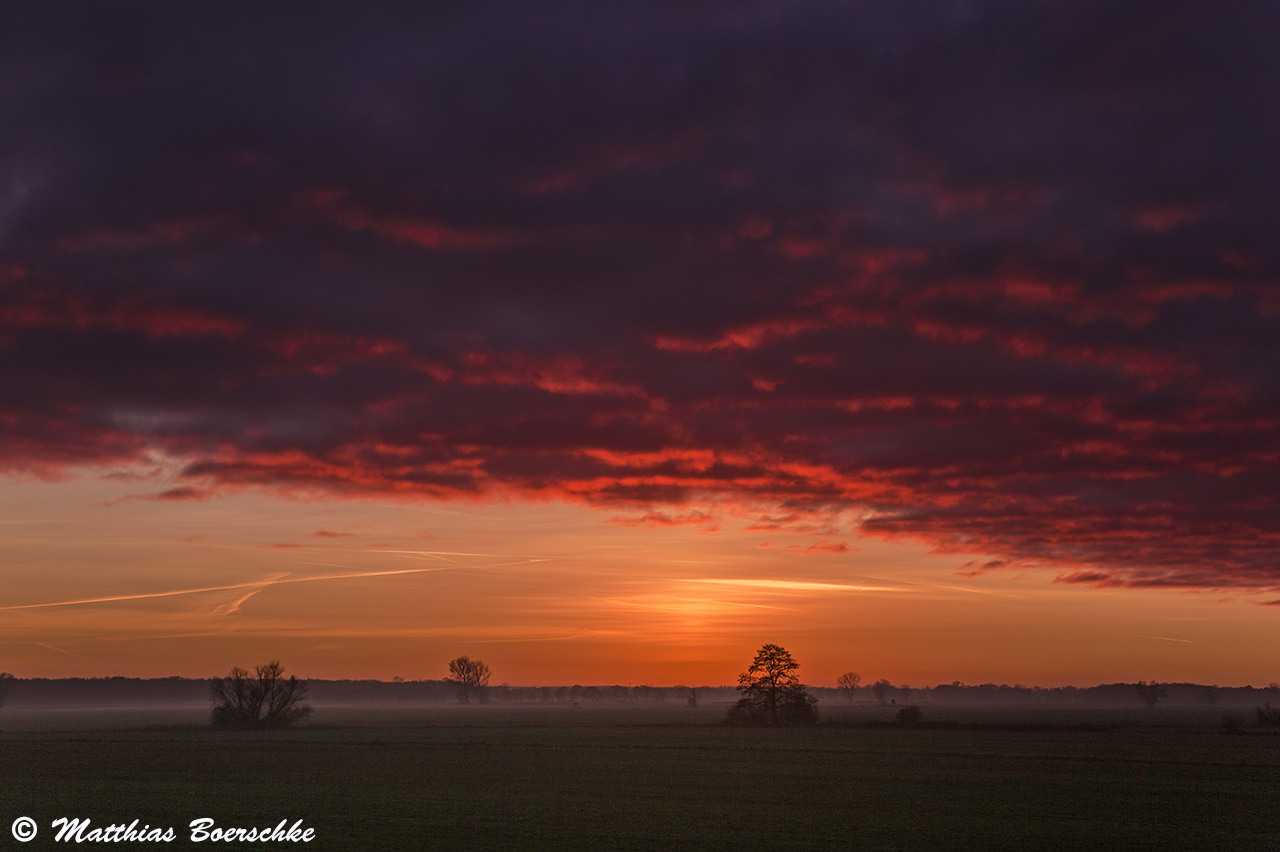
x=468 y=681
x=41 y=690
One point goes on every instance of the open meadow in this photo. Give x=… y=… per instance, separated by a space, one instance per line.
x=663 y=777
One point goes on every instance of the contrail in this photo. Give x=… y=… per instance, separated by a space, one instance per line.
x=234 y=606
x=257 y=585
x=62 y=651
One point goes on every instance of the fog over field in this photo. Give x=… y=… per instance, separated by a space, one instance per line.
x=189 y=698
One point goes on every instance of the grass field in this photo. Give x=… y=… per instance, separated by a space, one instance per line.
x=501 y=777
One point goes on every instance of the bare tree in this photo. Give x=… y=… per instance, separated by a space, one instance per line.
x=263 y=699
x=848 y=683
x=471 y=676
x=881 y=689
x=771 y=692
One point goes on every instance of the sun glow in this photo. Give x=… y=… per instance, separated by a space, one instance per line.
x=544 y=593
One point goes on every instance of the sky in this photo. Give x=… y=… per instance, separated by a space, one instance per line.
x=608 y=342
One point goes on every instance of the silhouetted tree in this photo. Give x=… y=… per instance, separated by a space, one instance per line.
x=848 y=683
x=1150 y=693
x=771 y=692
x=263 y=699
x=881 y=689
x=471 y=676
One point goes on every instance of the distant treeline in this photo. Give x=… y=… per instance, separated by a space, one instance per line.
x=125 y=691
x=1104 y=694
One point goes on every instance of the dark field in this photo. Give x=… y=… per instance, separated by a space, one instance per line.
x=502 y=777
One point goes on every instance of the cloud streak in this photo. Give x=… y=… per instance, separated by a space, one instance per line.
x=797 y=585
x=1000 y=278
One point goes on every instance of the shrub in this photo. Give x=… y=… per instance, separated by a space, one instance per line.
x=910 y=715
x=263 y=699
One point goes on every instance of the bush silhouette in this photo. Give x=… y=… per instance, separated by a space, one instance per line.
x=909 y=715
x=261 y=700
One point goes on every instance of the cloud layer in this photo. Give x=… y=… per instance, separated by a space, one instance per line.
x=996 y=276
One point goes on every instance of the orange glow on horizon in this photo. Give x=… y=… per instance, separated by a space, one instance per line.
x=549 y=594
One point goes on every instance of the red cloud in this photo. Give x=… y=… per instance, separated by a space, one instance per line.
x=53 y=310
x=180 y=493
x=746 y=337
x=1089 y=578
x=650 y=520
x=427 y=233
x=325 y=353
x=565 y=374
x=828 y=547
x=836 y=547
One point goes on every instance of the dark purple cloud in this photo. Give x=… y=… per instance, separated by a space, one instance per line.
x=999 y=276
